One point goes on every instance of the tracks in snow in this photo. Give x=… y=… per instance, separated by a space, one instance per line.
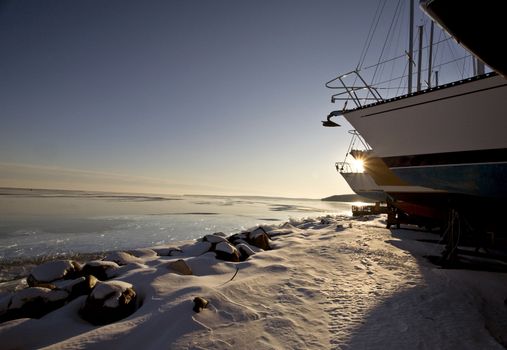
x=363 y=273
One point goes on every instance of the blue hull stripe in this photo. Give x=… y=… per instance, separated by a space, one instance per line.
x=483 y=180
x=465 y=157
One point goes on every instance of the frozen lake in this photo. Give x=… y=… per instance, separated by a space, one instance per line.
x=37 y=223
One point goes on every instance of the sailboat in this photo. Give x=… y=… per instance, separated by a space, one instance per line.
x=368 y=176
x=450 y=138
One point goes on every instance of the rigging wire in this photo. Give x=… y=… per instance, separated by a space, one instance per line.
x=401 y=79
x=390 y=38
x=403 y=55
x=435 y=52
x=422 y=70
x=371 y=32
x=453 y=53
x=385 y=42
x=463 y=69
x=395 y=32
x=398 y=27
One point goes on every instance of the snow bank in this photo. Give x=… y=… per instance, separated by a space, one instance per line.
x=326 y=283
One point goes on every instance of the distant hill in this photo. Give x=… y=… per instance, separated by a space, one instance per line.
x=347 y=198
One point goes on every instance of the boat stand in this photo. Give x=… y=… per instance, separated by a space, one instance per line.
x=453 y=232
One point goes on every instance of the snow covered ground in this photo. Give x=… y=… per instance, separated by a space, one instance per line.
x=328 y=283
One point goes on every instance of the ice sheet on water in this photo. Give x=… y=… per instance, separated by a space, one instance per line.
x=50 y=223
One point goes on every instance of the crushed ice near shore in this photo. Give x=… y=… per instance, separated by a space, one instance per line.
x=328 y=282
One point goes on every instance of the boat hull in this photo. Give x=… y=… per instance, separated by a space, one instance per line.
x=485 y=180
x=451 y=139
x=413 y=200
x=363 y=185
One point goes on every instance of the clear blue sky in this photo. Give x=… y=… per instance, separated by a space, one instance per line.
x=181 y=96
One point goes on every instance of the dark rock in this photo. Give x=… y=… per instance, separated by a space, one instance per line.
x=33 y=302
x=237 y=237
x=84 y=287
x=214 y=239
x=79 y=286
x=339 y=227
x=245 y=251
x=109 y=302
x=326 y=221
x=227 y=252
x=199 y=304
x=181 y=267
x=174 y=251
x=5 y=301
x=259 y=238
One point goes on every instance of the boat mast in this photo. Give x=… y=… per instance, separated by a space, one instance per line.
x=430 y=55
x=419 y=58
x=410 y=46
x=480 y=67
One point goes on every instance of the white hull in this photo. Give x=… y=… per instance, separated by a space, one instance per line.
x=463 y=117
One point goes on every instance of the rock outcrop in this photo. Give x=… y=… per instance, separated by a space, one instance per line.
x=32 y=302
x=53 y=270
x=103 y=270
x=227 y=252
x=181 y=267
x=109 y=302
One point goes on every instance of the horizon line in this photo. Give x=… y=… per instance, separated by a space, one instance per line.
x=159 y=194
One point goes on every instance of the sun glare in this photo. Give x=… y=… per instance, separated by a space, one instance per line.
x=358 y=165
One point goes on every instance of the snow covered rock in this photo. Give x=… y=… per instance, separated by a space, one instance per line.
x=122 y=258
x=168 y=251
x=199 y=304
x=33 y=302
x=326 y=221
x=122 y=270
x=181 y=267
x=235 y=238
x=259 y=238
x=52 y=271
x=196 y=249
x=143 y=253
x=103 y=270
x=214 y=239
x=109 y=302
x=245 y=251
x=227 y=252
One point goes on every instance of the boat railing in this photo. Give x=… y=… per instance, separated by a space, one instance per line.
x=344 y=168
x=353 y=88
x=357 y=149
x=389 y=79
x=357 y=142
